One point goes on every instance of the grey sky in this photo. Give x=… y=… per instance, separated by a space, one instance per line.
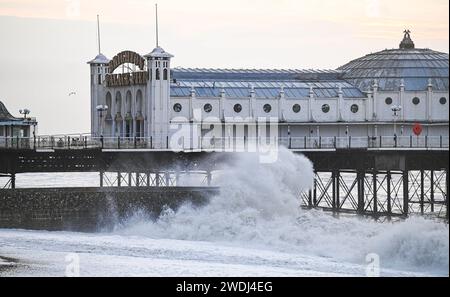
x=44 y=50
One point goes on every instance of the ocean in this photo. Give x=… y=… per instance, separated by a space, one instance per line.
x=255 y=227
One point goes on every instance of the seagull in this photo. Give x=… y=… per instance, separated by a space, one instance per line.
x=72 y=93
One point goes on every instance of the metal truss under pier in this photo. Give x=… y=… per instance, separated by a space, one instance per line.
x=148 y=179
x=380 y=193
x=388 y=183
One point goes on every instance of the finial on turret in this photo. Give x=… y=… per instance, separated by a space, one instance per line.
x=407 y=42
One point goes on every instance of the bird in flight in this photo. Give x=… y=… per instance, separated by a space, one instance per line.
x=72 y=93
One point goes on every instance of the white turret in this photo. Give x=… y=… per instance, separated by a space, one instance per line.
x=158 y=86
x=99 y=68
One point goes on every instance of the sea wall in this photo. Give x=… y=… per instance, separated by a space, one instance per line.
x=90 y=209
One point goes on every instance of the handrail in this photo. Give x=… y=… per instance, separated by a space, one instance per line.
x=87 y=141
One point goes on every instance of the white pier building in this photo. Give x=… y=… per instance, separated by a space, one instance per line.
x=396 y=95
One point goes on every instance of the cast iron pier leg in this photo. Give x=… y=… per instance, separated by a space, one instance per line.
x=405 y=193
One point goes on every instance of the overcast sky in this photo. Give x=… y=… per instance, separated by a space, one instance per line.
x=45 y=44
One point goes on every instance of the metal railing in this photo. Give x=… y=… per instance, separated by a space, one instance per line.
x=87 y=141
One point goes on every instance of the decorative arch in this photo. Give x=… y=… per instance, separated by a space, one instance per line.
x=118 y=103
x=128 y=102
x=139 y=132
x=139 y=101
x=108 y=102
x=118 y=117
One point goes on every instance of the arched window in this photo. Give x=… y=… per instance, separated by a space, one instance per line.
x=118 y=103
x=139 y=102
x=165 y=74
x=157 y=74
x=108 y=103
x=128 y=102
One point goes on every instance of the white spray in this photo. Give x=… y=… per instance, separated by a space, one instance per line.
x=259 y=207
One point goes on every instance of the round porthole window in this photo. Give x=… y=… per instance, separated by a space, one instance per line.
x=388 y=101
x=325 y=108
x=443 y=100
x=207 y=108
x=296 y=108
x=416 y=101
x=237 y=108
x=354 y=108
x=267 y=108
x=177 y=107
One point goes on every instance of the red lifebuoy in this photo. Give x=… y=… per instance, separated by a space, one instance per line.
x=417 y=129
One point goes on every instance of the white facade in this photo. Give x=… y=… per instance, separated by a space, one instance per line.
x=148 y=109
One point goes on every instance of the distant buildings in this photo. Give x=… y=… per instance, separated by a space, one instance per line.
x=11 y=126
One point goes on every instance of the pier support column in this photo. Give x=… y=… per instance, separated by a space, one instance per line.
x=446 y=193
x=119 y=179
x=375 y=193
x=405 y=192
x=13 y=181
x=101 y=178
x=157 y=181
x=432 y=190
x=208 y=178
x=315 y=189
x=338 y=190
x=422 y=191
x=361 y=205
x=310 y=203
x=335 y=176
x=389 y=194
x=333 y=189
x=167 y=176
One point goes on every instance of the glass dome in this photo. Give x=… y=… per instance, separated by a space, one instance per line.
x=415 y=68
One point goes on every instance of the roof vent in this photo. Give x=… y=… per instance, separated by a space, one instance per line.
x=407 y=42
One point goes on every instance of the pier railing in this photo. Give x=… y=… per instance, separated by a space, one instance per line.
x=87 y=141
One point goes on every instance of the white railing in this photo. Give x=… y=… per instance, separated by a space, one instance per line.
x=87 y=141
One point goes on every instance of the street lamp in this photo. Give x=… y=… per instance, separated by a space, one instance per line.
x=101 y=109
x=395 y=110
x=25 y=112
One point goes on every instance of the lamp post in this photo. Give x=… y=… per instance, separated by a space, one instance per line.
x=101 y=109
x=25 y=112
x=395 y=112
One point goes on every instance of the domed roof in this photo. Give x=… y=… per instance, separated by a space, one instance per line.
x=159 y=52
x=99 y=59
x=5 y=115
x=413 y=67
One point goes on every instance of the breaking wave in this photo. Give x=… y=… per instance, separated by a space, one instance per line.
x=259 y=207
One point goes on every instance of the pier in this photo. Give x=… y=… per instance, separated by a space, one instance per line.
x=351 y=176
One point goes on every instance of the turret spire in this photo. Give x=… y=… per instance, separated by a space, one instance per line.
x=98 y=34
x=157 y=30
